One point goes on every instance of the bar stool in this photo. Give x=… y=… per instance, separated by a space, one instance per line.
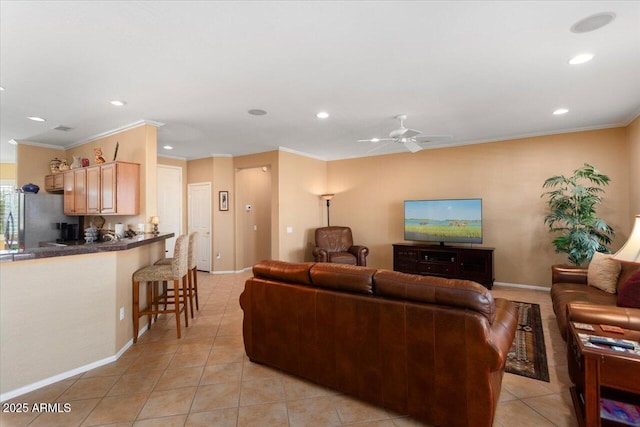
x=192 y=276
x=176 y=271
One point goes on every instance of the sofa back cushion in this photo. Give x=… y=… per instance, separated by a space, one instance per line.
x=603 y=273
x=342 y=277
x=284 y=271
x=435 y=290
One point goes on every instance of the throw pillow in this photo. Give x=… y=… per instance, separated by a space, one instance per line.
x=629 y=292
x=603 y=273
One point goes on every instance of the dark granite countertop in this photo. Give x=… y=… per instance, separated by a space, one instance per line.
x=84 y=248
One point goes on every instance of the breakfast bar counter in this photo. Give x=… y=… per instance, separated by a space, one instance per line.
x=80 y=247
x=67 y=309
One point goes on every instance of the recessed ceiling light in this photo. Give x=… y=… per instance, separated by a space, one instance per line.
x=1 y=88
x=167 y=147
x=322 y=115
x=36 y=119
x=560 y=111
x=593 y=22
x=581 y=59
x=257 y=112
x=118 y=103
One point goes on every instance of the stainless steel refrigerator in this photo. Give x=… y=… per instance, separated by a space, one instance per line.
x=35 y=218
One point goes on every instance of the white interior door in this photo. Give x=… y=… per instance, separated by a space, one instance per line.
x=200 y=221
x=170 y=203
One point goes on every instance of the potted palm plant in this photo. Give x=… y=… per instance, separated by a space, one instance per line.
x=572 y=202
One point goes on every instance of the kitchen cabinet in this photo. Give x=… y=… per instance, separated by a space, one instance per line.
x=54 y=183
x=108 y=189
x=120 y=188
x=93 y=190
x=75 y=192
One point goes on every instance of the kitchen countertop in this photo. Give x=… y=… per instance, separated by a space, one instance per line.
x=84 y=248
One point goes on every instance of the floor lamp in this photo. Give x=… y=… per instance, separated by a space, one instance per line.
x=328 y=198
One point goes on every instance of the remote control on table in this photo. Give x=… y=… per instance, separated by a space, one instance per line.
x=610 y=342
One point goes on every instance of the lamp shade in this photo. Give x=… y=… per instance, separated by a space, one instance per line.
x=630 y=252
x=327 y=196
x=155 y=220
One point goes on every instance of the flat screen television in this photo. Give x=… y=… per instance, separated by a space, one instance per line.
x=443 y=221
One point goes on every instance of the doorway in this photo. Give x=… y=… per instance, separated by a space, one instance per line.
x=253 y=215
x=199 y=208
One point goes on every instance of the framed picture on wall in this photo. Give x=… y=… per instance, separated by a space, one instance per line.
x=223 y=197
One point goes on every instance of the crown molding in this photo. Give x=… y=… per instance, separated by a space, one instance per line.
x=115 y=131
x=39 y=144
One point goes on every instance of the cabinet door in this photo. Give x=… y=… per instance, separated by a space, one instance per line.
x=93 y=190
x=58 y=183
x=109 y=189
x=69 y=193
x=48 y=183
x=476 y=265
x=80 y=190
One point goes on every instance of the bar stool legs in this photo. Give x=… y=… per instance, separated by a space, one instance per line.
x=153 y=307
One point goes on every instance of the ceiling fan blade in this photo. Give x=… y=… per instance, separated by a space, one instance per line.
x=433 y=138
x=375 y=140
x=411 y=146
x=410 y=133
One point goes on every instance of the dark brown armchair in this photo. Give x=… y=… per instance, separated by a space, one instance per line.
x=335 y=244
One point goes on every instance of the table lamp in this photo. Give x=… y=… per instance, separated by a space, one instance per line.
x=155 y=221
x=630 y=252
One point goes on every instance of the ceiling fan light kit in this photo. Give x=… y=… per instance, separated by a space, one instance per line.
x=410 y=138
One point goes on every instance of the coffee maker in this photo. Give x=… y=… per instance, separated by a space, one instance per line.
x=68 y=232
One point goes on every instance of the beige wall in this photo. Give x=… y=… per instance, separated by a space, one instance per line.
x=224 y=237
x=302 y=181
x=507 y=175
x=32 y=163
x=8 y=171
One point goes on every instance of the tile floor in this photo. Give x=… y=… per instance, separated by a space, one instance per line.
x=205 y=379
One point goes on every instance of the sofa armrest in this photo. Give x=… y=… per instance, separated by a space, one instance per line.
x=503 y=329
x=624 y=317
x=360 y=252
x=568 y=274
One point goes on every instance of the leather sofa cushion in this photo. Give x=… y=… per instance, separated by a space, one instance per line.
x=342 y=277
x=435 y=290
x=284 y=271
x=342 y=258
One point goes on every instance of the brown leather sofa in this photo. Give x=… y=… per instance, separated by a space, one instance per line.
x=429 y=347
x=574 y=300
x=335 y=244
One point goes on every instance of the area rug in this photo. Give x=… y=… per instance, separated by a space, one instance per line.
x=528 y=356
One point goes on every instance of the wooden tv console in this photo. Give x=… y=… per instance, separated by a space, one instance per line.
x=473 y=263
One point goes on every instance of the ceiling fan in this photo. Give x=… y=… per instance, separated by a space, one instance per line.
x=410 y=138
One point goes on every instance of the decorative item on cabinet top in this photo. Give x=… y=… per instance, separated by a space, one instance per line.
x=54 y=165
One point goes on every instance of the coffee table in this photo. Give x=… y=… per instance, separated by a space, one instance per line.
x=602 y=367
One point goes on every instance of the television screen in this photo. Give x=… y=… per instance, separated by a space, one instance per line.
x=444 y=221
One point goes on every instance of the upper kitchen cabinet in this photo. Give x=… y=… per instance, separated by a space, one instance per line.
x=75 y=192
x=54 y=183
x=111 y=189
x=120 y=188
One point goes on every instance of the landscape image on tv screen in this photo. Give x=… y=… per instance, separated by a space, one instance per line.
x=452 y=220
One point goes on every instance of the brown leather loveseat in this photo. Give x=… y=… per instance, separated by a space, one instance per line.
x=428 y=347
x=573 y=299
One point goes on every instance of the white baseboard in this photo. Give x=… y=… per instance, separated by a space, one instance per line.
x=231 y=271
x=68 y=374
x=517 y=285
